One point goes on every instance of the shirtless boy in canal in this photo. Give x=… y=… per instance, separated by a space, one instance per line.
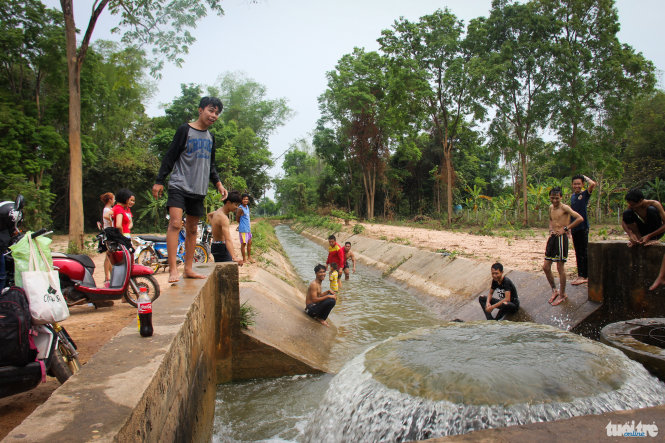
x=317 y=304
x=222 y=244
x=348 y=255
x=557 y=244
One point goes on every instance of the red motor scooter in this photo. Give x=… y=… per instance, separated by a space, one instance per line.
x=76 y=274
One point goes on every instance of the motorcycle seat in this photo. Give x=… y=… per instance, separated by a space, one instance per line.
x=152 y=238
x=83 y=259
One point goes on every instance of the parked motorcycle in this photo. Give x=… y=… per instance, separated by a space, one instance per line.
x=56 y=352
x=151 y=250
x=76 y=274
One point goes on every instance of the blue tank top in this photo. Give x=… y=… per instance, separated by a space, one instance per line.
x=243 y=223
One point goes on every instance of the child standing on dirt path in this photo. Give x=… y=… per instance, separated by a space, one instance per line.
x=556 y=249
x=245 y=229
x=191 y=162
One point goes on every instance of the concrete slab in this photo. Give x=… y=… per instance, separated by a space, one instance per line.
x=284 y=340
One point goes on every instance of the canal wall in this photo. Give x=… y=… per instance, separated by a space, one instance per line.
x=163 y=388
x=457 y=282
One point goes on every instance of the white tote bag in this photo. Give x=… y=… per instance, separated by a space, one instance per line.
x=47 y=304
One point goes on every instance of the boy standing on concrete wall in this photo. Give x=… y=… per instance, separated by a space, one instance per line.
x=191 y=162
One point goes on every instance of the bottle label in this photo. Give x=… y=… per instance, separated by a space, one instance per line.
x=145 y=307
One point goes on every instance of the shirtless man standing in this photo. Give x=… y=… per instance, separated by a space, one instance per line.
x=557 y=244
x=348 y=255
x=222 y=243
x=317 y=304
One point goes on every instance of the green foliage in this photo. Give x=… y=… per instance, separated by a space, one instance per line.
x=358 y=228
x=36 y=213
x=247 y=315
x=264 y=238
x=317 y=221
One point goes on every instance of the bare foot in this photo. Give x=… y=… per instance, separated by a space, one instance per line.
x=323 y=322
x=659 y=281
x=174 y=278
x=562 y=298
x=579 y=281
x=555 y=294
x=192 y=274
x=251 y=260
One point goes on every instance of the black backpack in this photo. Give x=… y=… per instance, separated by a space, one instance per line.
x=15 y=322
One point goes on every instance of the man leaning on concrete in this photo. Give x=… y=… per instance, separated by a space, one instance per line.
x=644 y=220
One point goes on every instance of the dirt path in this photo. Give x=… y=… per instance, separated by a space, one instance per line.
x=524 y=250
x=92 y=328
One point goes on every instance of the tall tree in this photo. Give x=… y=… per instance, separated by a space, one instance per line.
x=245 y=101
x=356 y=101
x=514 y=58
x=433 y=50
x=595 y=75
x=160 y=24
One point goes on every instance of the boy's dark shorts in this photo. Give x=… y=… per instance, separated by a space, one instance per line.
x=557 y=248
x=192 y=204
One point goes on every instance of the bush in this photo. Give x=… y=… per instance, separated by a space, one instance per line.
x=358 y=229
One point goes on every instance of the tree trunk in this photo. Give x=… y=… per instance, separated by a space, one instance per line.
x=524 y=186
x=75 y=156
x=449 y=182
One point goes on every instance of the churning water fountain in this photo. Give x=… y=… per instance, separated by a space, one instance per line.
x=461 y=377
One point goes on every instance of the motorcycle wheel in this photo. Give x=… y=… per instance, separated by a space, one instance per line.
x=148 y=258
x=201 y=254
x=64 y=365
x=142 y=281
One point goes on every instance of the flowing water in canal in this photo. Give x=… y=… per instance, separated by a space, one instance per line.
x=370 y=310
x=404 y=375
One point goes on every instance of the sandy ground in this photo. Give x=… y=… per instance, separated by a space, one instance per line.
x=522 y=250
x=91 y=328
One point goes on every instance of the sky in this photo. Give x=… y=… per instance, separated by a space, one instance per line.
x=289 y=45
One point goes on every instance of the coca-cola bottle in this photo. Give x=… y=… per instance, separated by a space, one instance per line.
x=144 y=313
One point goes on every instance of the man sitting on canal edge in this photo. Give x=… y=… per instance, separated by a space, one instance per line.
x=318 y=305
x=502 y=296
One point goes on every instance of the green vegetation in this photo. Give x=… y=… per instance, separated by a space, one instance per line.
x=399 y=136
x=264 y=238
x=247 y=315
x=358 y=228
x=445 y=124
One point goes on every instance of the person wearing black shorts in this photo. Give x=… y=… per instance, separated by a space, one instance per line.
x=190 y=161
x=502 y=295
x=318 y=304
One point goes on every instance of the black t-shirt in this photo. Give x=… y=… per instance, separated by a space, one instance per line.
x=501 y=288
x=645 y=226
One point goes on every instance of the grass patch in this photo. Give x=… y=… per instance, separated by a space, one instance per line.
x=391 y=269
x=264 y=238
x=247 y=315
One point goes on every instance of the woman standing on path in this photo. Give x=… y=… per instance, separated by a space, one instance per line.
x=107 y=221
x=122 y=213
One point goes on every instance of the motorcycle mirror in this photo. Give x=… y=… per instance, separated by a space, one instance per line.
x=19 y=203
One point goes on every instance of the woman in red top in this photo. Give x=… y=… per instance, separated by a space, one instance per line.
x=122 y=213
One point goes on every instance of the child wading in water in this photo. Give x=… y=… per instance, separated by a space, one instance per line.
x=557 y=244
x=334 y=277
